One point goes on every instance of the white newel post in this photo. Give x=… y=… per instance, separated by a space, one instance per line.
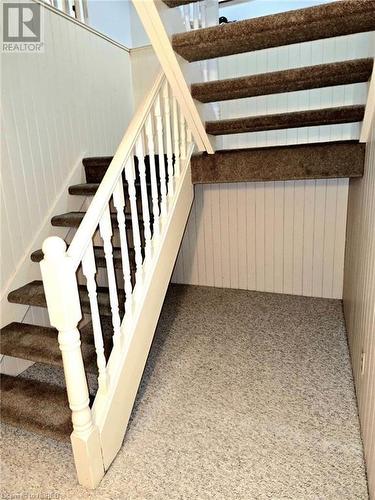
x=64 y=309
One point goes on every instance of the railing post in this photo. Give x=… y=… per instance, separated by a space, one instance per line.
x=61 y=291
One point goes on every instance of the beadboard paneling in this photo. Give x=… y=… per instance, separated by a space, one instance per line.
x=294 y=56
x=71 y=101
x=359 y=300
x=285 y=237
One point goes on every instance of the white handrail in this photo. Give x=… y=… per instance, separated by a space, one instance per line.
x=105 y=190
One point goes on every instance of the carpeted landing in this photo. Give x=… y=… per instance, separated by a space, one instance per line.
x=245 y=395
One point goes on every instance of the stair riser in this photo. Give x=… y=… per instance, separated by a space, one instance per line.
x=315 y=161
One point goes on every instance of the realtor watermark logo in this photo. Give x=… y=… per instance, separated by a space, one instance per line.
x=22 y=27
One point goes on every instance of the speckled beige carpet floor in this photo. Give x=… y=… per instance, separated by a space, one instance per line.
x=245 y=395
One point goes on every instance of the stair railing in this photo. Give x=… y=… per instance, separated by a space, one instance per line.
x=160 y=137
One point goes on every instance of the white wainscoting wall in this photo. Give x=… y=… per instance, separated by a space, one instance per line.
x=285 y=237
x=359 y=300
x=73 y=100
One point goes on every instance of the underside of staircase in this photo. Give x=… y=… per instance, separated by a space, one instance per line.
x=42 y=407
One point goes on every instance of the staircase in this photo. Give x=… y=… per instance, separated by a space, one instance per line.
x=140 y=204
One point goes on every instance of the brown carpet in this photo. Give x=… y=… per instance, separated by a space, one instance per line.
x=325 y=116
x=306 y=161
x=32 y=294
x=312 y=77
x=323 y=21
x=35 y=406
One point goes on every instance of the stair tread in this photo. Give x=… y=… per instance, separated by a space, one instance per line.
x=313 y=23
x=317 y=76
x=39 y=344
x=90 y=188
x=35 y=406
x=302 y=161
x=313 y=117
x=37 y=256
x=74 y=219
x=32 y=294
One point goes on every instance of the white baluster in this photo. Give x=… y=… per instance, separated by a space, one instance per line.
x=189 y=138
x=130 y=177
x=168 y=133
x=176 y=139
x=144 y=195
x=159 y=129
x=154 y=184
x=203 y=10
x=89 y=271
x=64 y=309
x=186 y=13
x=119 y=203
x=196 y=15
x=182 y=135
x=105 y=227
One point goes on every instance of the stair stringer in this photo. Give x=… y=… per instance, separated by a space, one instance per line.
x=111 y=412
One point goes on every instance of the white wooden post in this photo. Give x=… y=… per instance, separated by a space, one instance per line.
x=160 y=134
x=168 y=134
x=61 y=291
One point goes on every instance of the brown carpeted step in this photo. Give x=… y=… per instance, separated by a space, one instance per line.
x=323 y=21
x=37 y=256
x=311 y=77
x=95 y=168
x=89 y=189
x=74 y=219
x=310 y=118
x=32 y=294
x=281 y=163
x=39 y=344
x=35 y=406
x=178 y=3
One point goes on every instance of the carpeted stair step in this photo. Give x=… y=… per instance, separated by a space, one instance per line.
x=311 y=77
x=35 y=406
x=74 y=219
x=314 y=117
x=39 y=344
x=89 y=189
x=313 y=23
x=281 y=163
x=96 y=167
x=37 y=256
x=32 y=294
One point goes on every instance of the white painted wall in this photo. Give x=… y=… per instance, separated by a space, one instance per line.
x=111 y=17
x=72 y=101
x=359 y=300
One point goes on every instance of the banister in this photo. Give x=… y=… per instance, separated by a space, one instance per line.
x=154 y=28
x=105 y=190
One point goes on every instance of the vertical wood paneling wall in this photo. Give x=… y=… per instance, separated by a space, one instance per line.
x=71 y=101
x=359 y=300
x=285 y=237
